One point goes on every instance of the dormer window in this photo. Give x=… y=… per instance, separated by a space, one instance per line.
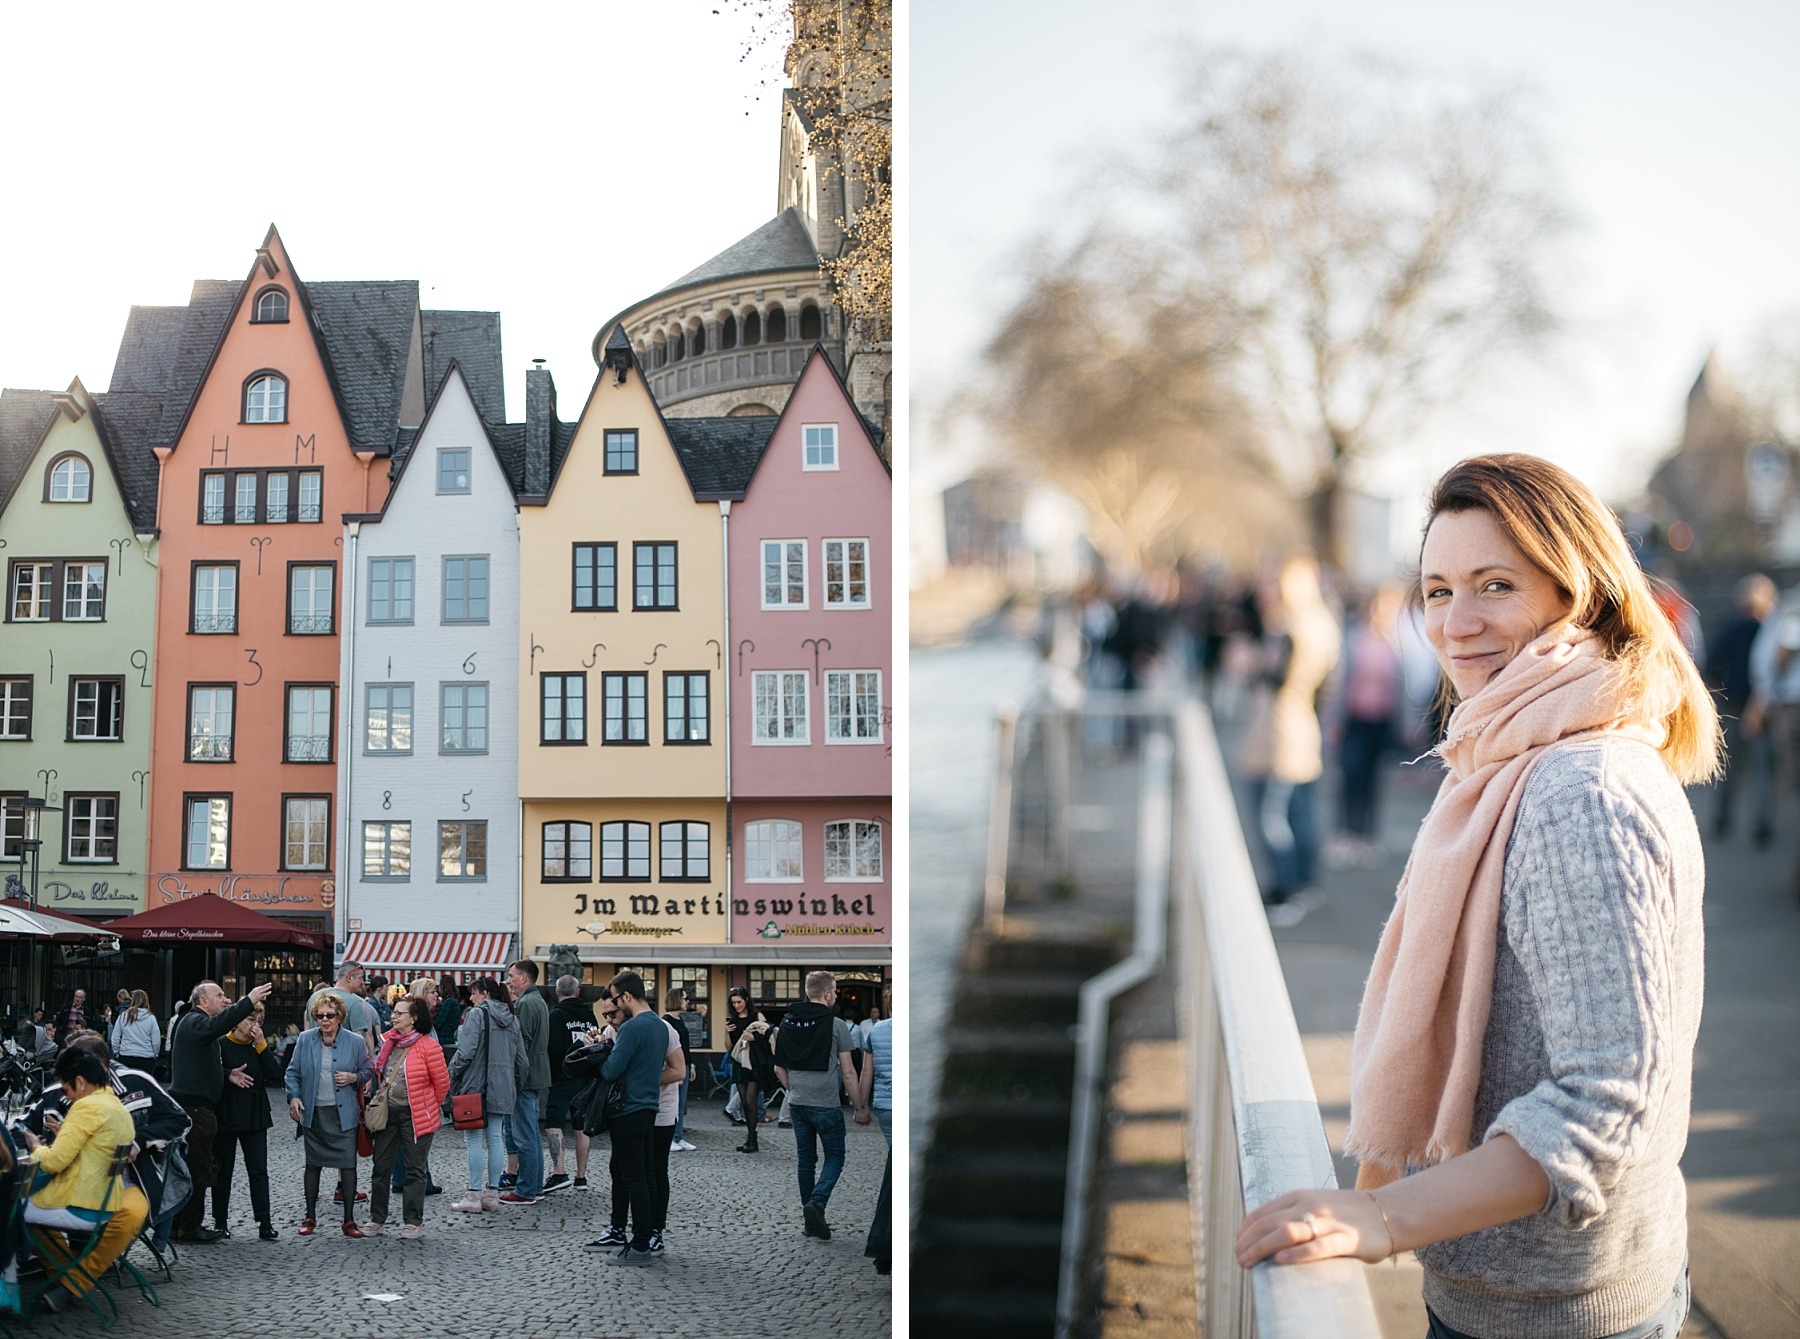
x=71 y=479
x=265 y=398
x=271 y=307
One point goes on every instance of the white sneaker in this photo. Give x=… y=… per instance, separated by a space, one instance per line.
x=469 y=1203
x=682 y=1146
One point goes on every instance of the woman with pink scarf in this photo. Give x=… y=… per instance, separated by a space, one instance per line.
x=1522 y=1065
x=411 y=1065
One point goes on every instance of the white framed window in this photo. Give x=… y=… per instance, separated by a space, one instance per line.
x=389 y=724
x=853 y=707
x=208 y=844
x=12 y=826
x=846 y=573
x=91 y=829
x=853 y=851
x=686 y=852
x=390 y=590
x=568 y=852
x=772 y=851
x=276 y=489
x=71 y=480
x=778 y=699
x=784 y=574
x=212 y=708
x=215 y=599
x=271 y=305
x=819 y=443
x=312 y=488
x=387 y=850
x=624 y=852
x=31 y=600
x=308 y=735
x=462 y=850
x=97 y=708
x=265 y=399
x=84 y=592
x=306 y=824
x=212 y=499
x=464 y=714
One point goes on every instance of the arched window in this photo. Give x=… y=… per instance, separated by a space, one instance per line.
x=697 y=340
x=678 y=342
x=777 y=325
x=728 y=332
x=752 y=328
x=271 y=305
x=811 y=328
x=265 y=398
x=70 y=479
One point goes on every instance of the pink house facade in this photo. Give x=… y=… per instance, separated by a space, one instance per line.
x=811 y=682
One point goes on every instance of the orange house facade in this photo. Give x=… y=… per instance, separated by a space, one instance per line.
x=253 y=489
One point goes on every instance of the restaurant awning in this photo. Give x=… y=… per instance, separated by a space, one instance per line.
x=207 y=918
x=29 y=923
x=429 y=951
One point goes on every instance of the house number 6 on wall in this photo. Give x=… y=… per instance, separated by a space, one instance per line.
x=469 y=664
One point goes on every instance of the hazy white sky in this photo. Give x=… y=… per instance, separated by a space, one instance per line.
x=1676 y=124
x=553 y=162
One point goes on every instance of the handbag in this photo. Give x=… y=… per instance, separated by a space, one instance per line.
x=375 y=1114
x=365 y=1142
x=468 y=1110
x=740 y=1054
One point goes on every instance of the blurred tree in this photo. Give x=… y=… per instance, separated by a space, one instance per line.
x=1109 y=384
x=1352 y=243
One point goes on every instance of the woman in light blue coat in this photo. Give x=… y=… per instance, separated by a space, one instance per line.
x=330 y=1067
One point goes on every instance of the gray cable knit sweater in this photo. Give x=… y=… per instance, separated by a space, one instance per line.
x=1588 y=1059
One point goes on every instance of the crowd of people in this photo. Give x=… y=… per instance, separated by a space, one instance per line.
x=119 y=1150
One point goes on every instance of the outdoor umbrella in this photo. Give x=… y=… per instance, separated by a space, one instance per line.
x=28 y=924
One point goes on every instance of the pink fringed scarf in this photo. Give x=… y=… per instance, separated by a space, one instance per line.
x=1416 y=1058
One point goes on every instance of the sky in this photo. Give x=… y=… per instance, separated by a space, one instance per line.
x=555 y=163
x=1675 y=127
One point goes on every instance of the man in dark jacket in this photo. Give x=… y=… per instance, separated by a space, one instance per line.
x=812 y=1059
x=571 y=1025
x=196 y=1080
x=637 y=1062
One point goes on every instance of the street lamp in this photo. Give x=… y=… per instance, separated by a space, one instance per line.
x=35 y=809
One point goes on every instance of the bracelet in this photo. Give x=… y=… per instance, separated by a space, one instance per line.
x=1387 y=1226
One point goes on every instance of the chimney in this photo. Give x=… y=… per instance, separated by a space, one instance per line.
x=540 y=425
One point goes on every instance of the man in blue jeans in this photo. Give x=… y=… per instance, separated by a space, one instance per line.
x=524 y=1137
x=812 y=1053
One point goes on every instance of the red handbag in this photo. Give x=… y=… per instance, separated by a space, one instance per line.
x=365 y=1142
x=466 y=1112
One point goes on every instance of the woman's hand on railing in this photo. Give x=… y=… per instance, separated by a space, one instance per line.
x=1306 y=1225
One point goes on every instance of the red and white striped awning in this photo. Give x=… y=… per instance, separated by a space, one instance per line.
x=429 y=951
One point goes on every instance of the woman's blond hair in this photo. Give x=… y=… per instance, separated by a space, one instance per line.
x=1566 y=531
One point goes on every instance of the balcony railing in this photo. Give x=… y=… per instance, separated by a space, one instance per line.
x=309 y=748
x=209 y=748
x=226 y=622
x=309 y=623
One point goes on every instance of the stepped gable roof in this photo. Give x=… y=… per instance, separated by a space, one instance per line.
x=720 y=455
x=471 y=340
x=24 y=416
x=367 y=327
x=782 y=243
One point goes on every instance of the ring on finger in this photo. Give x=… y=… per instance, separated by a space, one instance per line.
x=1312 y=1231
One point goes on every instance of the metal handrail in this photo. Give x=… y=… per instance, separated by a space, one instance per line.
x=1257 y=1134
x=1150 y=923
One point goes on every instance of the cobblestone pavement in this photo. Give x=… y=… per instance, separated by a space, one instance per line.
x=737 y=1264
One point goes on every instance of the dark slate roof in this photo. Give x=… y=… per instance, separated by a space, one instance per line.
x=472 y=341
x=367 y=327
x=780 y=244
x=23 y=417
x=209 y=307
x=720 y=455
x=128 y=422
x=509 y=442
x=146 y=357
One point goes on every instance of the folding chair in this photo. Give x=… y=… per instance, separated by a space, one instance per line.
x=54 y=1274
x=718 y=1080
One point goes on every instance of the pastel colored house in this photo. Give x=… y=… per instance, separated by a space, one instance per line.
x=76 y=653
x=621 y=726
x=428 y=763
x=811 y=686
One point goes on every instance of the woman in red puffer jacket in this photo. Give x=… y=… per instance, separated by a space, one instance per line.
x=412 y=1070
